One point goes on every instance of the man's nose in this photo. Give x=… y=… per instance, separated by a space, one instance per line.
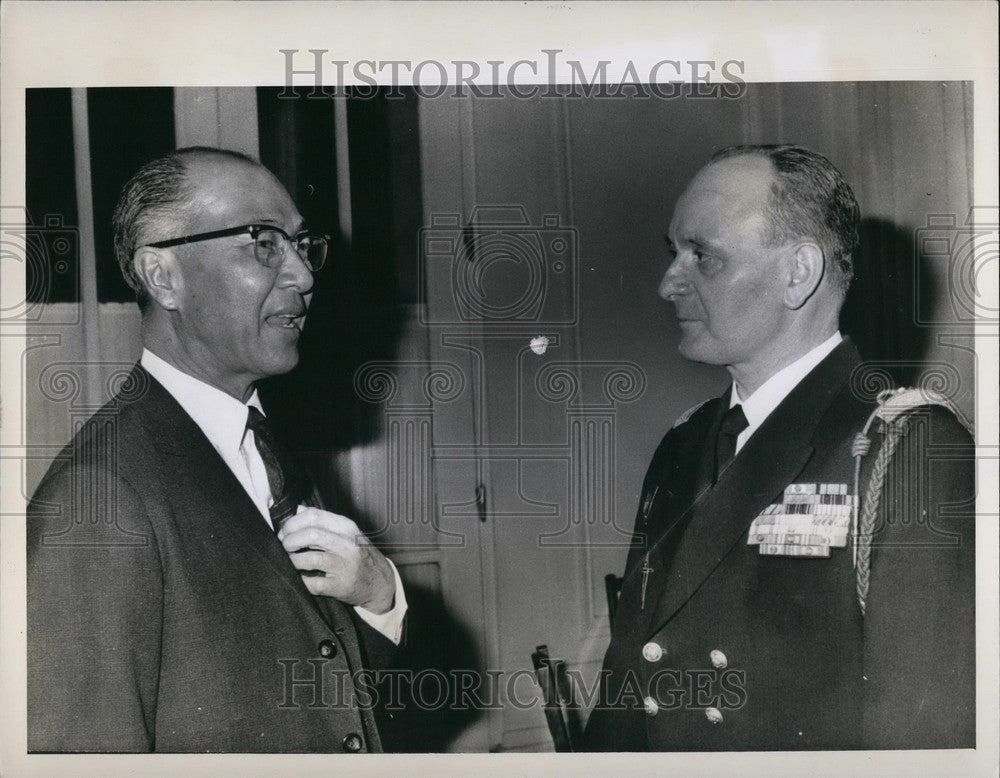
x=294 y=272
x=674 y=284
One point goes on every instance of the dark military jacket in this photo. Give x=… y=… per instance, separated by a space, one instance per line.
x=730 y=649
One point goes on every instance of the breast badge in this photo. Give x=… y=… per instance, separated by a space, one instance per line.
x=809 y=521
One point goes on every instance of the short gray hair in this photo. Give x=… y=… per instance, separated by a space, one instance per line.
x=809 y=198
x=153 y=200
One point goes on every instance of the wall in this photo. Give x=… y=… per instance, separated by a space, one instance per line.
x=609 y=171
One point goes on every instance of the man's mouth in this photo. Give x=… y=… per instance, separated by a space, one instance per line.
x=287 y=321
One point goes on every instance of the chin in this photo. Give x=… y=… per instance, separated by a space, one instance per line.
x=689 y=349
x=281 y=366
x=699 y=352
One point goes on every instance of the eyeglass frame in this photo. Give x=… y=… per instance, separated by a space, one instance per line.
x=253 y=230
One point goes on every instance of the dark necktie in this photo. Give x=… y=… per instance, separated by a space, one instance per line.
x=286 y=480
x=733 y=423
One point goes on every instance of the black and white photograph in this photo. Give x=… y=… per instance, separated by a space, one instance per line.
x=584 y=400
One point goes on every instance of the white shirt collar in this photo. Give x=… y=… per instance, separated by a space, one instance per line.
x=759 y=405
x=220 y=416
x=223 y=419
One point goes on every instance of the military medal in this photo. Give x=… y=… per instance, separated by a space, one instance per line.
x=809 y=521
x=647 y=506
x=646 y=570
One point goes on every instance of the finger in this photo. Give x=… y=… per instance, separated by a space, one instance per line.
x=327 y=587
x=358 y=579
x=320 y=538
x=315 y=517
x=333 y=565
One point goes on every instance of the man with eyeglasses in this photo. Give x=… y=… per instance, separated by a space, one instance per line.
x=184 y=591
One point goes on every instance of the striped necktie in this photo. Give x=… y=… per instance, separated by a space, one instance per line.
x=285 y=479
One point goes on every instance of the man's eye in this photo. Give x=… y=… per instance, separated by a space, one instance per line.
x=705 y=262
x=267 y=241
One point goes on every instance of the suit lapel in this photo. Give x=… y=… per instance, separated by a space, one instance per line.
x=718 y=517
x=227 y=504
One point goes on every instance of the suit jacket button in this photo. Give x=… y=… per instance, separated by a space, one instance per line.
x=353 y=743
x=714 y=715
x=327 y=648
x=651 y=706
x=719 y=660
x=652 y=652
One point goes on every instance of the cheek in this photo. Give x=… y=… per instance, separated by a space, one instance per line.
x=204 y=305
x=739 y=306
x=225 y=308
x=758 y=314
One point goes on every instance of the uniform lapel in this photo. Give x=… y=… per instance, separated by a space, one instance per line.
x=228 y=505
x=680 y=472
x=706 y=447
x=718 y=517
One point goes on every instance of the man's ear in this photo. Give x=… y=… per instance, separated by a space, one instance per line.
x=806 y=269
x=160 y=273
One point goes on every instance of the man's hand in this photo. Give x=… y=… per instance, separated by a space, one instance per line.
x=350 y=568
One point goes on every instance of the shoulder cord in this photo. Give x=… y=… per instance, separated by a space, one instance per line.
x=893 y=404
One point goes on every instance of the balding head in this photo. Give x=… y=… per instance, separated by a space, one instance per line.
x=808 y=198
x=756 y=276
x=156 y=204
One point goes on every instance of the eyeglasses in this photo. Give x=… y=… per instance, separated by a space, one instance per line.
x=268 y=243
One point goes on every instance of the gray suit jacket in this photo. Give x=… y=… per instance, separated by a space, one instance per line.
x=164 y=614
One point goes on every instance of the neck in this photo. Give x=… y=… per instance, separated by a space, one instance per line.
x=171 y=350
x=749 y=376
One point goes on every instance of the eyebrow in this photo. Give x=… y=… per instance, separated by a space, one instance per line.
x=694 y=240
x=300 y=224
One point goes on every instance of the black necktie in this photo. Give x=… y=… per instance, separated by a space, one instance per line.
x=286 y=480
x=733 y=423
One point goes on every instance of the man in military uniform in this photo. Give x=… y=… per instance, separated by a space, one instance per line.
x=755 y=613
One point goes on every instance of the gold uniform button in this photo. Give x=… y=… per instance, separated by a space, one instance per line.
x=714 y=715
x=652 y=652
x=651 y=706
x=719 y=660
x=353 y=743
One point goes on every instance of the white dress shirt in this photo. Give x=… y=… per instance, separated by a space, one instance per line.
x=758 y=406
x=223 y=419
